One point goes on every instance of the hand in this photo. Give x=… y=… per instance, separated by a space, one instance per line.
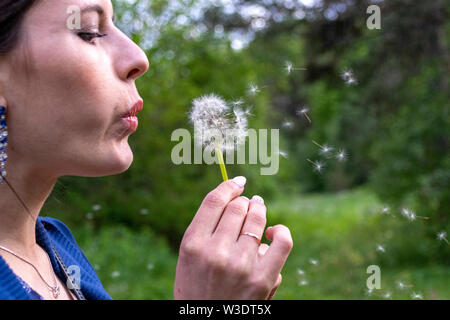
x=217 y=262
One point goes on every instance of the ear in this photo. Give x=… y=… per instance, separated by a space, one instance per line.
x=3 y=102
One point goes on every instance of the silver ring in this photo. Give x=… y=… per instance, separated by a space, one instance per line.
x=251 y=235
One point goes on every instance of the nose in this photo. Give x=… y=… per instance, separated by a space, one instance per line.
x=131 y=61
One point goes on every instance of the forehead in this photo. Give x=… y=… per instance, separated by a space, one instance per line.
x=47 y=12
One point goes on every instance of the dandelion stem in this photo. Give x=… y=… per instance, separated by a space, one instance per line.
x=311 y=161
x=223 y=170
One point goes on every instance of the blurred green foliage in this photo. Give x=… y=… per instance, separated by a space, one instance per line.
x=394 y=124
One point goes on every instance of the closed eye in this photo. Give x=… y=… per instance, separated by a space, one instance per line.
x=90 y=36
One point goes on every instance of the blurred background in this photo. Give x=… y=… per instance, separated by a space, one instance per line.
x=380 y=96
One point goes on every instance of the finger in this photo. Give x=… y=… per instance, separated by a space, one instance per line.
x=262 y=249
x=233 y=217
x=254 y=223
x=274 y=290
x=275 y=257
x=211 y=209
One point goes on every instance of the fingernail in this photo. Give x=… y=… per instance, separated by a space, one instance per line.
x=258 y=198
x=245 y=198
x=240 y=181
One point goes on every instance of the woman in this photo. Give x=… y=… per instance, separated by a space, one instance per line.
x=67 y=101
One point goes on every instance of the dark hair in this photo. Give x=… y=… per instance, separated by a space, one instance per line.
x=11 y=17
x=12 y=13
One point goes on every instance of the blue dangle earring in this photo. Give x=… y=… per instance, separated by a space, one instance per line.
x=3 y=143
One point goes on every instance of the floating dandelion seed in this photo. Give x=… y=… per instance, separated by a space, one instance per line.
x=283 y=154
x=403 y=286
x=380 y=248
x=411 y=215
x=253 y=89
x=217 y=127
x=303 y=283
x=369 y=292
x=442 y=236
x=349 y=77
x=288 y=124
x=416 y=296
x=300 y=272
x=115 y=274
x=89 y=215
x=387 y=295
x=289 y=67
x=237 y=103
x=304 y=112
x=341 y=155
x=385 y=210
x=318 y=166
x=150 y=266
x=143 y=211
x=96 y=207
x=314 y=262
x=324 y=149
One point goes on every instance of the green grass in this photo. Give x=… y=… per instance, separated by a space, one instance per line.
x=340 y=231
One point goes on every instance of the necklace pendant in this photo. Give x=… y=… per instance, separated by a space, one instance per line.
x=55 y=292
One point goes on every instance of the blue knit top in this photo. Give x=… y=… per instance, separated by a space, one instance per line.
x=51 y=231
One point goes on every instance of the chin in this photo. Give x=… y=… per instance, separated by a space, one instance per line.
x=115 y=161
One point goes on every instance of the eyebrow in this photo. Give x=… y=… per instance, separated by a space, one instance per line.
x=97 y=8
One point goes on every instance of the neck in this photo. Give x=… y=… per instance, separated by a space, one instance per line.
x=18 y=220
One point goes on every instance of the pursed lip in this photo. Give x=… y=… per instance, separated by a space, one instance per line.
x=134 y=110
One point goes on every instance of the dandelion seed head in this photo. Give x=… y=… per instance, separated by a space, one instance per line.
x=217 y=123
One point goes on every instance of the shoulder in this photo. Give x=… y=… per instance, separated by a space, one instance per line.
x=62 y=238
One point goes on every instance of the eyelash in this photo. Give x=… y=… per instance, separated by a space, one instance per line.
x=89 y=36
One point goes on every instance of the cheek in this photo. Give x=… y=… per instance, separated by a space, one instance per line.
x=72 y=94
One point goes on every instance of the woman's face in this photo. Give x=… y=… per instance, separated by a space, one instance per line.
x=66 y=92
